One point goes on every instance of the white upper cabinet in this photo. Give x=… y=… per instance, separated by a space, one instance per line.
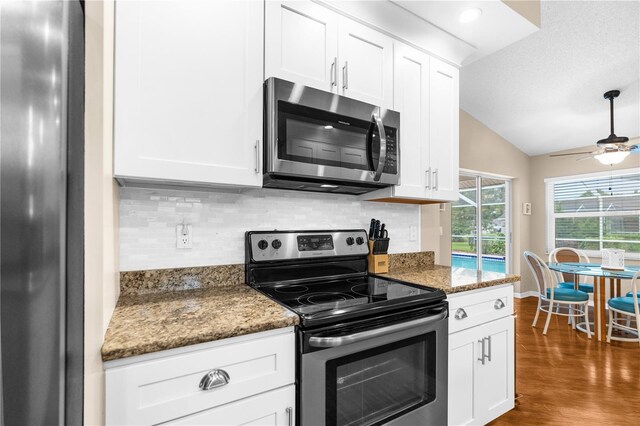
x=444 y=119
x=301 y=40
x=366 y=64
x=314 y=46
x=411 y=100
x=426 y=96
x=188 y=92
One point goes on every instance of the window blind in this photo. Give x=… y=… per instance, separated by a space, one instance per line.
x=593 y=213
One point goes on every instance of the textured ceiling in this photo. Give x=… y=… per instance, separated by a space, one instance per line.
x=544 y=93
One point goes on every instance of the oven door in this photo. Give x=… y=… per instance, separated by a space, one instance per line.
x=390 y=374
x=320 y=135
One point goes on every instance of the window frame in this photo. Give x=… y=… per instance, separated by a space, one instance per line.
x=508 y=214
x=551 y=215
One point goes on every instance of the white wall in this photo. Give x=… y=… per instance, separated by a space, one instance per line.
x=148 y=220
x=101 y=286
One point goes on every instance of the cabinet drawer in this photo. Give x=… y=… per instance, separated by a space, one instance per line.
x=476 y=307
x=273 y=408
x=167 y=388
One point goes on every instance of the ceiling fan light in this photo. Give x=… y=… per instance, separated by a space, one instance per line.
x=610 y=158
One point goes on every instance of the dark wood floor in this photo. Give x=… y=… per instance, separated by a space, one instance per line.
x=564 y=378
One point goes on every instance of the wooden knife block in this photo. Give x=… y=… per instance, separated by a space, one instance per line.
x=378 y=263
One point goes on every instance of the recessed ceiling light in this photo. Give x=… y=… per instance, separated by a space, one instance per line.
x=328 y=127
x=470 y=15
x=328 y=186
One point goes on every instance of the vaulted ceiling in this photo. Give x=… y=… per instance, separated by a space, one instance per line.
x=544 y=92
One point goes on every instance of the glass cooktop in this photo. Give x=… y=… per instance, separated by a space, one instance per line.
x=322 y=299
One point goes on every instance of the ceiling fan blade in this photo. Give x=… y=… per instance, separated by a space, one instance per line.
x=572 y=153
x=587 y=157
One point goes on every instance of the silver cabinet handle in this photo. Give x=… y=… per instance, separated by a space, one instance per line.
x=290 y=415
x=460 y=314
x=345 y=75
x=483 y=356
x=435 y=180
x=331 y=342
x=214 y=379
x=499 y=304
x=257 y=148
x=334 y=72
x=428 y=178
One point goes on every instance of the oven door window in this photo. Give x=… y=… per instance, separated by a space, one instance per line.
x=313 y=136
x=377 y=385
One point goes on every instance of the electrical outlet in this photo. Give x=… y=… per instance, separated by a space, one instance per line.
x=184 y=236
x=413 y=234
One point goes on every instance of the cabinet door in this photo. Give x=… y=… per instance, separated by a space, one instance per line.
x=411 y=100
x=493 y=384
x=301 y=40
x=444 y=132
x=188 y=91
x=479 y=393
x=463 y=363
x=274 y=408
x=366 y=63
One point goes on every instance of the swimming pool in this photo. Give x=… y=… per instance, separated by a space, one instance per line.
x=493 y=263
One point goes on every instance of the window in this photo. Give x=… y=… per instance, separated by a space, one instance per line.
x=488 y=207
x=595 y=211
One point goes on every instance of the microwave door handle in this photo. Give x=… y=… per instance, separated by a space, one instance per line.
x=382 y=159
x=332 y=342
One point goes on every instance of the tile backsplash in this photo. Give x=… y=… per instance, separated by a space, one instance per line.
x=148 y=219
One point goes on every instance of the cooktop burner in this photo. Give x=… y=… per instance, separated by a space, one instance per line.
x=323 y=277
x=332 y=297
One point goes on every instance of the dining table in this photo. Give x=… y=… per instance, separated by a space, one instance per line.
x=600 y=275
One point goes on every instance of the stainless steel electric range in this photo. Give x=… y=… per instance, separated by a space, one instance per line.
x=371 y=350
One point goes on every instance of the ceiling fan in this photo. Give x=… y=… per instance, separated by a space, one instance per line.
x=613 y=149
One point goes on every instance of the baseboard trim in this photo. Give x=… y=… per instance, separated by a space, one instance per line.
x=525 y=294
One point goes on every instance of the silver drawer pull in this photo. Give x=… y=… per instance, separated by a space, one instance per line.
x=460 y=314
x=214 y=379
x=499 y=304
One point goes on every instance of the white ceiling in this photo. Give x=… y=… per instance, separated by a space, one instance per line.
x=497 y=27
x=544 y=92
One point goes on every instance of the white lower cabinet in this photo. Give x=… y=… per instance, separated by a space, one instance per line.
x=481 y=359
x=275 y=408
x=164 y=387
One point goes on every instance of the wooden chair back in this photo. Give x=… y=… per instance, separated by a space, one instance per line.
x=567 y=254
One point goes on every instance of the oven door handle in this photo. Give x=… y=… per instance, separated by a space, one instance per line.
x=332 y=342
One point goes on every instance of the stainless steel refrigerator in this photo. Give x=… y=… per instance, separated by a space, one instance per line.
x=41 y=211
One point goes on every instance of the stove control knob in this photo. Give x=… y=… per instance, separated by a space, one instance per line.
x=263 y=244
x=349 y=241
x=276 y=244
x=360 y=241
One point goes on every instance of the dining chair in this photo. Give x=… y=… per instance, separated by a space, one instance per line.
x=550 y=294
x=626 y=307
x=569 y=254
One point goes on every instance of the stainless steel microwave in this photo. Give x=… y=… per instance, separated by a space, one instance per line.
x=320 y=141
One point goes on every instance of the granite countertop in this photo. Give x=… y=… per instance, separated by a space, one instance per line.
x=448 y=279
x=152 y=321
x=171 y=308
